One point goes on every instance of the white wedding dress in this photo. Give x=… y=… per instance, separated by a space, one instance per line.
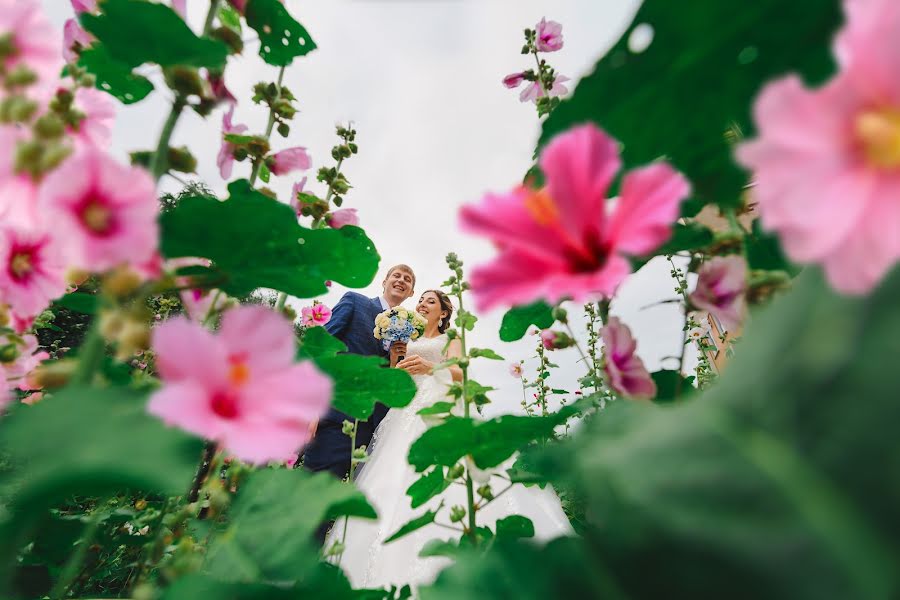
x=367 y=561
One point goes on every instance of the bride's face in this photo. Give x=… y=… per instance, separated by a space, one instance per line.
x=429 y=306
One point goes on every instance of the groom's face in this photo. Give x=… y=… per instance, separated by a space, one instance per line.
x=398 y=286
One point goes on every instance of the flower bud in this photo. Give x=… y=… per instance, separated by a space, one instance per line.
x=20 y=76
x=230 y=37
x=53 y=375
x=121 y=282
x=49 y=126
x=486 y=492
x=455 y=472
x=348 y=428
x=181 y=160
x=185 y=80
x=457 y=514
x=284 y=129
x=359 y=453
x=555 y=340
x=559 y=313
x=8 y=353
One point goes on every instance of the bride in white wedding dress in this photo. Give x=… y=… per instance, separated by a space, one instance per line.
x=366 y=559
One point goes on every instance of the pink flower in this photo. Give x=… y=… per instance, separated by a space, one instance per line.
x=513 y=80
x=625 y=371
x=241 y=387
x=826 y=162
x=292 y=159
x=562 y=241
x=35 y=43
x=32 y=272
x=315 y=315
x=21 y=323
x=225 y=160
x=104 y=214
x=721 y=284
x=328 y=283
x=80 y=6
x=549 y=36
x=342 y=217
x=218 y=89
x=180 y=6
x=75 y=39
x=515 y=369
x=199 y=302
x=99 y=110
x=555 y=340
x=27 y=361
x=296 y=189
x=18 y=191
x=533 y=91
x=291 y=460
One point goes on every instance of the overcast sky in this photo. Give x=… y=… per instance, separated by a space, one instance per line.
x=436 y=129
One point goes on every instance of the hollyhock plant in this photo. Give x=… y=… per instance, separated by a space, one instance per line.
x=241 y=387
x=548 y=36
x=315 y=315
x=344 y=216
x=515 y=369
x=514 y=80
x=104 y=213
x=562 y=241
x=290 y=160
x=75 y=38
x=225 y=160
x=29 y=357
x=826 y=162
x=296 y=189
x=555 y=340
x=533 y=90
x=199 y=302
x=721 y=285
x=32 y=272
x=625 y=371
x=33 y=42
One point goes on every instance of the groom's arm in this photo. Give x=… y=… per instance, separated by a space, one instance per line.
x=341 y=315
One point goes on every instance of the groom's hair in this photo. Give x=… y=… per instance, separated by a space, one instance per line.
x=402 y=267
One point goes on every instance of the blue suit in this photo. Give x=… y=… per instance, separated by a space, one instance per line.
x=352 y=322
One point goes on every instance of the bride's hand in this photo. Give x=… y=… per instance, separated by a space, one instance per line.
x=416 y=365
x=398 y=349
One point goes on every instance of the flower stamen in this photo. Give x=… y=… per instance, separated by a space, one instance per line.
x=878 y=131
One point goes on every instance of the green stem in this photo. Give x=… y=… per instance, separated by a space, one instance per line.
x=90 y=356
x=160 y=162
x=352 y=471
x=470 y=490
x=540 y=73
x=269 y=126
x=74 y=565
x=578 y=347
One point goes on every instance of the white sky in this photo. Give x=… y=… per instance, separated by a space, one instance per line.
x=436 y=129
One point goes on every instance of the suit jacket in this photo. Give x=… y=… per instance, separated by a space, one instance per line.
x=352 y=322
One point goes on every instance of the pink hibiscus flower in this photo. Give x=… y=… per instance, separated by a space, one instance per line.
x=180 y=6
x=826 y=162
x=241 y=387
x=75 y=39
x=721 y=285
x=625 y=371
x=35 y=42
x=225 y=160
x=315 y=315
x=562 y=241
x=548 y=36
x=32 y=272
x=287 y=161
x=344 y=216
x=104 y=213
x=99 y=110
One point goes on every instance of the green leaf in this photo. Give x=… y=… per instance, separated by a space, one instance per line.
x=230 y=17
x=114 y=77
x=466 y=320
x=257 y=242
x=281 y=38
x=323 y=581
x=650 y=101
x=438 y=408
x=264 y=173
x=515 y=527
x=417 y=523
x=436 y=547
x=135 y=32
x=85 y=442
x=240 y=139
x=475 y=392
x=671 y=385
x=690 y=237
x=427 y=487
x=318 y=343
x=79 y=302
x=781 y=481
x=484 y=353
x=361 y=381
x=516 y=321
x=272 y=521
x=763 y=251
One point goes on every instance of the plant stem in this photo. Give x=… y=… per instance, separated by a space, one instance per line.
x=503 y=491
x=350 y=479
x=578 y=347
x=73 y=566
x=209 y=450
x=540 y=73
x=90 y=356
x=255 y=171
x=470 y=491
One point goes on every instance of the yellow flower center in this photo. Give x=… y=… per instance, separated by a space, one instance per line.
x=239 y=373
x=541 y=207
x=96 y=217
x=879 y=133
x=20 y=265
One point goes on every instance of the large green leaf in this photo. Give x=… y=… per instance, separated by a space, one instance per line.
x=272 y=522
x=682 y=96
x=281 y=38
x=361 y=381
x=86 y=442
x=782 y=481
x=255 y=241
x=517 y=320
x=135 y=32
x=114 y=77
x=318 y=343
x=515 y=527
x=764 y=251
x=324 y=581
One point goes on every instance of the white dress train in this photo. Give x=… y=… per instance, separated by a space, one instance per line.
x=367 y=561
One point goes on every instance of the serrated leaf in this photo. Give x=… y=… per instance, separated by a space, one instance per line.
x=281 y=38
x=517 y=320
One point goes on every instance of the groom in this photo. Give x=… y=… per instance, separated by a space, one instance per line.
x=352 y=322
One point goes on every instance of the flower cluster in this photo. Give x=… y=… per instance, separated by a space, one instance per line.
x=398 y=325
x=545 y=85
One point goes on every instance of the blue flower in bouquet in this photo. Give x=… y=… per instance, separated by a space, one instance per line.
x=398 y=325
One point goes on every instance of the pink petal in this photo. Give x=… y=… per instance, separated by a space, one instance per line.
x=261 y=337
x=258 y=443
x=300 y=393
x=186 y=404
x=868 y=47
x=186 y=351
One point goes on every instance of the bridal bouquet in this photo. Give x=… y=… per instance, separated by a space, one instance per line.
x=398 y=325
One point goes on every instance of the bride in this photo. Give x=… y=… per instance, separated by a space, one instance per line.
x=366 y=559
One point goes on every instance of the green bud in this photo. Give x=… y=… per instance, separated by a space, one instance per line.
x=359 y=453
x=239 y=154
x=348 y=427
x=8 y=353
x=49 y=126
x=457 y=514
x=284 y=108
x=185 y=80
x=455 y=472
x=230 y=37
x=181 y=160
x=284 y=129
x=336 y=153
x=353 y=148
x=17 y=109
x=451 y=334
x=20 y=76
x=54 y=155
x=87 y=80
x=340 y=187
x=486 y=492
x=559 y=313
x=337 y=201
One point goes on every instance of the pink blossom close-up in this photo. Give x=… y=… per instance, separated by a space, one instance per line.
x=515 y=369
x=315 y=315
x=514 y=80
x=34 y=41
x=625 y=371
x=296 y=189
x=180 y=6
x=240 y=387
x=225 y=160
x=29 y=357
x=218 y=89
x=104 y=213
x=826 y=162
x=75 y=38
x=342 y=217
x=564 y=240
x=533 y=90
x=32 y=272
x=721 y=285
x=548 y=36
x=99 y=110
x=18 y=191
x=290 y=160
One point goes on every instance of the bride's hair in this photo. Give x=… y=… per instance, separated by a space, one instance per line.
x=446 y=305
